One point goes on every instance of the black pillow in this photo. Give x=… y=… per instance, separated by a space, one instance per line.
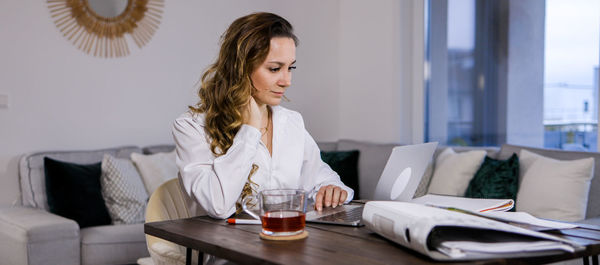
x=496 y=179
x=345 y=163
x=74 y=192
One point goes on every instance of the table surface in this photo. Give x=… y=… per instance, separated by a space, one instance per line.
x=326 y=244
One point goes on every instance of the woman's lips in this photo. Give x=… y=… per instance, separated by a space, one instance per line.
x=278 y=93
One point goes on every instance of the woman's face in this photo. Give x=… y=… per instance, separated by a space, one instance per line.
x=274 y=75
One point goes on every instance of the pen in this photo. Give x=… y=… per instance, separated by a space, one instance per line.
x=243 y=221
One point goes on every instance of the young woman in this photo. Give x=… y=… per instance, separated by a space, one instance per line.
x=237 y=140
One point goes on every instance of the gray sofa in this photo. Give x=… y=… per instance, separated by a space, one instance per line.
x=373 y=157
x=29 y=234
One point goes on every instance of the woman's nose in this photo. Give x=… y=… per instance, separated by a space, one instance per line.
x=286 y=79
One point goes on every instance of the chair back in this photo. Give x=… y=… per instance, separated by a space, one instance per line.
x=168 y=202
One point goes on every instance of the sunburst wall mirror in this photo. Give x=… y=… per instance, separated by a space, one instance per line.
x=99 y=27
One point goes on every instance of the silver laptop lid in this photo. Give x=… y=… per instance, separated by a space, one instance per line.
x=404 y=171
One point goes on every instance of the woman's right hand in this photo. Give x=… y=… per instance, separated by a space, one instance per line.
x=252 y=115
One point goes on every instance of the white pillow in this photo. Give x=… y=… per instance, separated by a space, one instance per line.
x=453 y=171
x=155 y=169
x=554 y=189
x=123 y=191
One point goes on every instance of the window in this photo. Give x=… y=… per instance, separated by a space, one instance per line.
x=490 y=65
x=571 y=74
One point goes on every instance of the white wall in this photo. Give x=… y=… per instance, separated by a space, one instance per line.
x=377 y=72
x=353 y=79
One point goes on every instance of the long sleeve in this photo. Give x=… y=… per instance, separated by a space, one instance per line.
x=215 y=183
x=317 y=171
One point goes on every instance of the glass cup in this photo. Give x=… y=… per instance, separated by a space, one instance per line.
x=281 y=212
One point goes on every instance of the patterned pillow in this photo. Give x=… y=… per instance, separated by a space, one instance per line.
x=123 y=191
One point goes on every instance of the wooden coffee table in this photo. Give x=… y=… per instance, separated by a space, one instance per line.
x=328 y=244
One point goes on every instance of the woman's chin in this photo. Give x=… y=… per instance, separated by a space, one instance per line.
x=274 y=102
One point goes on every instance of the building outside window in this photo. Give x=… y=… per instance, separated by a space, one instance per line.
x=514 y=72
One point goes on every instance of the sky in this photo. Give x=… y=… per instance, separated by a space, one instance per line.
x=572 y=41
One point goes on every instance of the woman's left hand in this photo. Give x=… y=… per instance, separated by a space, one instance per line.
x=330 y=195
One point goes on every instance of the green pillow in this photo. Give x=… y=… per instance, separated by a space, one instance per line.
x=496 y=179
x=345 y=163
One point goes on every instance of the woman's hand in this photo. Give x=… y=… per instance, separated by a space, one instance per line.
x=252 y=115
x=330 y=195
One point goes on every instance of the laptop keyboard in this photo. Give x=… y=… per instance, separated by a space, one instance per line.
x=350 y=215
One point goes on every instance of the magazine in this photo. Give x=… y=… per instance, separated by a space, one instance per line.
x=450 y=235
x=470 y=204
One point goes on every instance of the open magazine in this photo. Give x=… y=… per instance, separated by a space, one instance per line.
x=470 y=204
x=491 y=208
x=450 y=235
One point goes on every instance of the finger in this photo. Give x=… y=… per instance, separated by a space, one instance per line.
x=328 y=195
x=343 y=196
x=319 y=199
x=336 y=197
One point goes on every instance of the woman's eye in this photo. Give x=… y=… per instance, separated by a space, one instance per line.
x=273 y=70
x=291 y=68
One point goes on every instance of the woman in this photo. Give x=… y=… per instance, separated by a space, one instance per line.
x=237 y=140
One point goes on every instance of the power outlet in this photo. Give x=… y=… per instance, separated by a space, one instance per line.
x=3 y=101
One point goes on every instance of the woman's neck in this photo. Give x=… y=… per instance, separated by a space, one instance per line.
x=264 y=111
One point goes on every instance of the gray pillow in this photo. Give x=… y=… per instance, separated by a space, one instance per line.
x=123 y=191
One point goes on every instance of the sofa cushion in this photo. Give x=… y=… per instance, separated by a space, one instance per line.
x=113 y=244
x=593 y=206
x=495 y=179
x=154 y=149
x=373 y=157
x=123 y=191
x=35 y=236
x=31 y=170
x=25 y=224
x=345 y=163
x=453 y=171
x=327 y=146
x=554 y=189
x=592 y=221
x=155 y=169
x=74 y=192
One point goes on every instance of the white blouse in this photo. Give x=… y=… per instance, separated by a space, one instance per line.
x=217 y=182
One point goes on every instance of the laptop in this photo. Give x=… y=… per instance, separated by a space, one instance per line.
x=398 y=182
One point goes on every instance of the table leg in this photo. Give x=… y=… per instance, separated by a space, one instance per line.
x=595 y=260
x=586 y=260
x=188 y=256
x=200 y=258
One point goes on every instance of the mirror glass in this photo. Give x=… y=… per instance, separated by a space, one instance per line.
x=108 y=8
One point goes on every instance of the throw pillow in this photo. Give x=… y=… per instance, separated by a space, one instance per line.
x=425 y=180
x=73 y=192
x=123 y=191
x=495 y=179
x=345 y=163
x=453 y=171
x=554 y=189
x=155 y=169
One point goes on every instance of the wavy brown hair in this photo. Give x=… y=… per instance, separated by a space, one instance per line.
x=226 y=86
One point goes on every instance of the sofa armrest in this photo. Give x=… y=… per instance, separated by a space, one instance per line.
x=34 y=236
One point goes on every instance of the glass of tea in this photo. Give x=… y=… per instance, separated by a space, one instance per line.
x=282 y=211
